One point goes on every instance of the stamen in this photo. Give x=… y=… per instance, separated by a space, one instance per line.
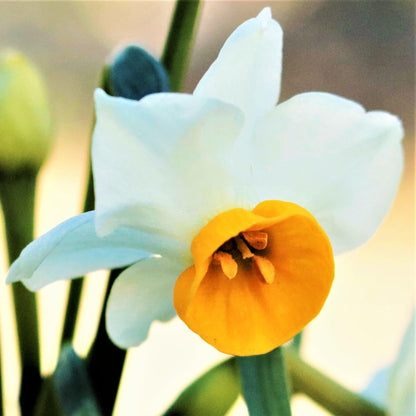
x=228 y=264
x=265 y=267
x=243 y=248
x=256 y=239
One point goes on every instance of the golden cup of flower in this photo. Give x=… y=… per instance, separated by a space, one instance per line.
x=25 y=115
x=224 y=205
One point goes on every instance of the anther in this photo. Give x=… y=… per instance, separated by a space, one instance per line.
x=243 y=248
x=228 y=264
x=266 y=268
x=256 y=239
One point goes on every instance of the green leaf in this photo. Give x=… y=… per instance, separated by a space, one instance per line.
x=212 y=394
x=264 y=384
x=325 y=391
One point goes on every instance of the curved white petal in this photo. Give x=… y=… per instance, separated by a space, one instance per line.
x=393 y=387
x=248 y=69
x=401 y=391
x=141 y=294
x=72 y=249
x=376 y=391
x=163 y=164
x=328 y=155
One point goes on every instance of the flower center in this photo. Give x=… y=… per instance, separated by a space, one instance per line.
x=246 y=250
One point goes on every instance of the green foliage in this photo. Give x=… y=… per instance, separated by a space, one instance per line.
x=212 y=394
x=264 y=384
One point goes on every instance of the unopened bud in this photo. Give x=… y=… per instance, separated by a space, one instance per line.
x=134 y=73
x=25 y=116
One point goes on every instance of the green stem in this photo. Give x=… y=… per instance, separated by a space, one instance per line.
x=179 y=43
x=76 y=285
x=17 y=195
x=1 y=381
x=297 y=341
x=72 y=307
x=325 y=391
x=47 y=399
x=105 y=361
x=264 y=383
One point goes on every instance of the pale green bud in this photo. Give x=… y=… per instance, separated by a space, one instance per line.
x=25 y=115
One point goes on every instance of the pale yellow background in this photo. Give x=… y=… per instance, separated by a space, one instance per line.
x=361 y=50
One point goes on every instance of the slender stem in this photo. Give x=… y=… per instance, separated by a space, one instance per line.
x=17 y=195
x=179 y=43
x=264 y=384
x=105 y=361
x=72 y=307
x=47 y=400
x=325 y=391
x=1 y=381
x=297 y=341
x=76 y=285
x=89 y=195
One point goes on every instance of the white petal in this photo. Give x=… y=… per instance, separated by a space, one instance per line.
x=401 y=395
x=328 y=155
x=141 y=294
x=376 y=391
x=393 y=387
x=72 y=249
x=162 y=164
x=248 y=69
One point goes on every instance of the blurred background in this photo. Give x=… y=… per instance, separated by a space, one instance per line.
x=363 y=50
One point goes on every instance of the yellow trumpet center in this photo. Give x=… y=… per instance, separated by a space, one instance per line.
x=258 y=277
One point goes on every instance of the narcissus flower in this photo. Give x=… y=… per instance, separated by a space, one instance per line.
x=223 y=203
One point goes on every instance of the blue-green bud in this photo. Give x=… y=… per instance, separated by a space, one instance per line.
x=134 y=73
x=25 y=115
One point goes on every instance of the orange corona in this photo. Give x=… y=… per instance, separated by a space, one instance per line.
x=258 y=277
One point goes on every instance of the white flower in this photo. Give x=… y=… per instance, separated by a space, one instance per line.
x=175 y=170
x=393 y=388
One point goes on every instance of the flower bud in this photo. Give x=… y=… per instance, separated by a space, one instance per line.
x=25 y=115
x=134 y=73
